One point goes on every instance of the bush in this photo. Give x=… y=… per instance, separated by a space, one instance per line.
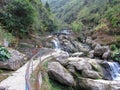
x=116 y=55
x=113 y=47
x=77 y=26
x=4 y=54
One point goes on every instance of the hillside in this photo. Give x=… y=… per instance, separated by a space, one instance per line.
x=89 y=15
x=25 y=17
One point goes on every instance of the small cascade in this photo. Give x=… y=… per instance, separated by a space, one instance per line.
x=56 y=43
x=114 y=70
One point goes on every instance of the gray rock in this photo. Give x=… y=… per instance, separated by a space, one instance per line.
x=15 y=62
x=71 y=68
x=96 y=66
x=89 y=40
x=90 y=84
x=94 y=44
x=106 y=55
x=100 y=50
x=81 y=47
x=77 y=54
x=57 y=72
x=90 y=74
x=81 y=65
x=91 y=54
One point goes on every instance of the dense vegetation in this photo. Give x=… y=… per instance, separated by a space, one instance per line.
x=89 y=12
x=24 y=17
x=90 y=15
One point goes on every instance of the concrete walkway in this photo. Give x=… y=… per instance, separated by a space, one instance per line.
x=17 y=80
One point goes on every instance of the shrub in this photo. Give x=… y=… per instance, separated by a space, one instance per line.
x=4 y=54
x=77 y=26
x=113 y=47
x=116 y=55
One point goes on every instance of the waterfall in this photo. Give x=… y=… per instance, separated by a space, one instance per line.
x=56 y=43
x=114 y=70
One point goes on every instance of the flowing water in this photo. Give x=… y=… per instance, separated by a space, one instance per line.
x=114 y=70
x=56 y=43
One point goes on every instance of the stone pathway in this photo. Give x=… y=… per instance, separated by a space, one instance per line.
x=17 y=80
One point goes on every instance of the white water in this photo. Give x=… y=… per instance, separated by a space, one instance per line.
x=114 y=70
x=56 y=43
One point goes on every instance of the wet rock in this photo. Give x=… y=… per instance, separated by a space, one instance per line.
x=57 y=72
x=106 y=69
x=15 y=62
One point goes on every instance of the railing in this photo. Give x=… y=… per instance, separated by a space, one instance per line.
x=34 y=71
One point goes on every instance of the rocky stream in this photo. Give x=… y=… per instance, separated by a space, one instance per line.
x=87 y=65
x=82 y=66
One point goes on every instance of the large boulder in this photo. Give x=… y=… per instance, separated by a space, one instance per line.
x=82 y=64
x=102 y=51
x=15 y=62
x=57 y=72
x=90 y=84
x=81 y=47
x=96 y=66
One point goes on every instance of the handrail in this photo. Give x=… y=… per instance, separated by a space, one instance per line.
x=27 y=75
x=36 y=71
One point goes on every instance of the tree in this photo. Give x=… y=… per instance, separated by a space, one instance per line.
x=47 y=6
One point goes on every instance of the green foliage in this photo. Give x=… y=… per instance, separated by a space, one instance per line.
x=4 y=54
x=24 y=17
x=57 y=86
x=113 y=15
x=116 y=55
x=89 y=12
x=77 y=26
x=113 y=47
x=18 y=17
x=47 y=6
x=6 y=35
